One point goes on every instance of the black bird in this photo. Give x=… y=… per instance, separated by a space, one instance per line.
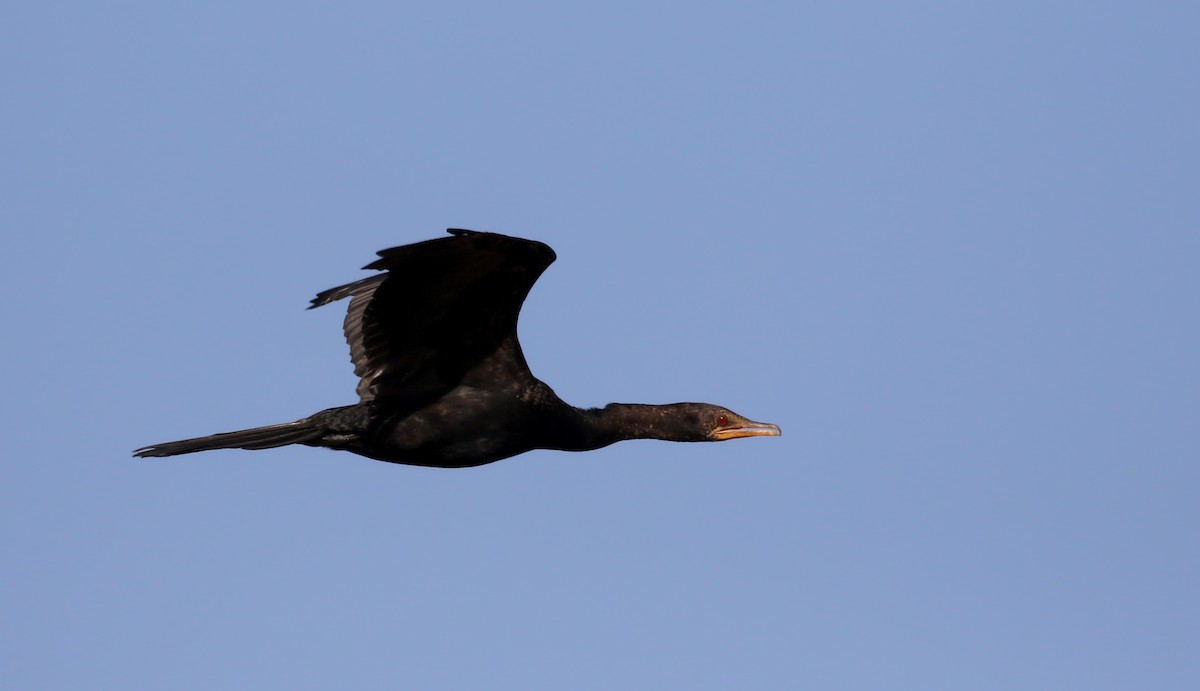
x=442 y=380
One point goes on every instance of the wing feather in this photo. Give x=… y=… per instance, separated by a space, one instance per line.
x=441 y=307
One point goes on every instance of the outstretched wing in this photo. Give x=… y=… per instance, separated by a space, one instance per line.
x=441 y=308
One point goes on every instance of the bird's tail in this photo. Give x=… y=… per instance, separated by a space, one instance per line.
x=299 y=432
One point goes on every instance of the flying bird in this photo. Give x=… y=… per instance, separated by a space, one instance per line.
x=442 y=380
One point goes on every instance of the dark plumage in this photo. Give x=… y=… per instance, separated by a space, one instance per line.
x=442 y=381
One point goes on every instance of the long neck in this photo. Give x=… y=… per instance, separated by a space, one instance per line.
x=592 y=428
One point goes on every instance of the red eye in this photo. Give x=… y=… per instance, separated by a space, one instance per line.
x=722 y=420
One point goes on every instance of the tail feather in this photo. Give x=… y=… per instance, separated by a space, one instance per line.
x=268 y=437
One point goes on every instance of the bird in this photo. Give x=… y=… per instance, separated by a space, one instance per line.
x=442 y=381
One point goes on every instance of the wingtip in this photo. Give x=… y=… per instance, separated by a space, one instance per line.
x=350 y=289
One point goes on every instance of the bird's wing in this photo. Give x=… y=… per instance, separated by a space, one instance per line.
x=441 y=308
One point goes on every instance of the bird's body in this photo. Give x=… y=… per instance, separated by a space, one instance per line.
x=442 y=379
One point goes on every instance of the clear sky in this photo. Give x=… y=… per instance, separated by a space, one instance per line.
x=950 y=248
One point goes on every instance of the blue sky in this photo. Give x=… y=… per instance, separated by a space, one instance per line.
x=950 y=248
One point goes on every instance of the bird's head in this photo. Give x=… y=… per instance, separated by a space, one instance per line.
x=707 y=422
x=725 y=424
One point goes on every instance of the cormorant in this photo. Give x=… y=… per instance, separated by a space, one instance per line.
x=442 y=380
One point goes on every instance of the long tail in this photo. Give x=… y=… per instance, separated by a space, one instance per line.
x=267 y=437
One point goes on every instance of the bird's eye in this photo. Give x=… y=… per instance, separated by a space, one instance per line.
x=722 y=420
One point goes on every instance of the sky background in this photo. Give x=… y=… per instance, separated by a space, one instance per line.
x=950 y=248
